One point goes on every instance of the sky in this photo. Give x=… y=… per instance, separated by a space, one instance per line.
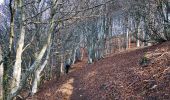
x=1 y=1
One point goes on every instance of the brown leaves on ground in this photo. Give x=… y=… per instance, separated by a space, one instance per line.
x=118 y=77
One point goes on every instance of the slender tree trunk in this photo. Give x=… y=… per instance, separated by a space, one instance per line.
x=74 y=56
x=144 y=38
x=58 y=65
x=16 y=76
x=127 y=38
x=12 y=12
x=82 y=54
x=138 y=42
x=89 y=55
x=1 y=75
x=37 y=77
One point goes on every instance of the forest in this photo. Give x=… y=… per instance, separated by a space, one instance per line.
x=84 y=50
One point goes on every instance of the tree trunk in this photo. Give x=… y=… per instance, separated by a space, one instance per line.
x=16 y=74
x=82 y=53
x=138 y=42
x=89 y=55
x=73 y=56
x=12 y=12
x=37 y=77
x=1 y=76
x=127 y=38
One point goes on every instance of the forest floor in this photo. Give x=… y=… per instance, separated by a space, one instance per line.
x=116 y=77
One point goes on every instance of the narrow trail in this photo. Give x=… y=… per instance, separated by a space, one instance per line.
x=64 y=88
x=118 y=77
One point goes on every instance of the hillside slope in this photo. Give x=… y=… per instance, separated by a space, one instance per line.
x=117 y=77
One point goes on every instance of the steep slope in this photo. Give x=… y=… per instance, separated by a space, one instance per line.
x=117 y=77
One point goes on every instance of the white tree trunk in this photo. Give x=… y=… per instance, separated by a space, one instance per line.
x=35 y=82
x=37 y=78
x=89 y=55
x=74 y=56
x=127 y=39
x=38 y=72
x=17 y=66
x=61 y=68
x=82 y=53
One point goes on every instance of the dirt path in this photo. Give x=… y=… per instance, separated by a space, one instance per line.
x=118 y=77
